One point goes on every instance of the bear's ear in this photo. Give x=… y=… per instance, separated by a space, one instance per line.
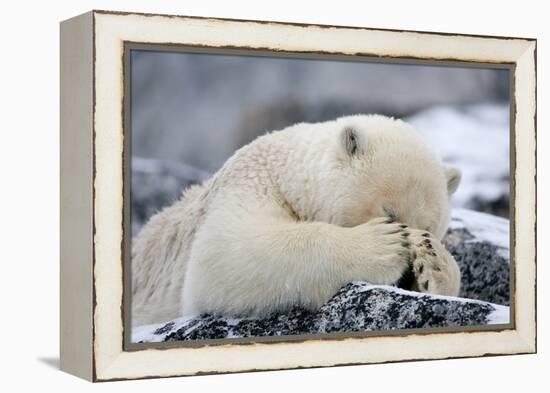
x=351 y=141
x=453 y=176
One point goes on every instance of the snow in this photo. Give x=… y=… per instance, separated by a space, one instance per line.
x=401 y=291
x=146 y=333
x=475 y=139
x=484 y=228
x=501 y=315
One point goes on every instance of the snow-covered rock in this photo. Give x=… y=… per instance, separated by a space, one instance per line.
x=480 y=244
x=357 y=307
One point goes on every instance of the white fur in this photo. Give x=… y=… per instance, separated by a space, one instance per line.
x=292 y=217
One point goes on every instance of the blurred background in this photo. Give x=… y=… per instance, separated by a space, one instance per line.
x=190 y=112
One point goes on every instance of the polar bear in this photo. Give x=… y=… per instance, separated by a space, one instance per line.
x=294 y=216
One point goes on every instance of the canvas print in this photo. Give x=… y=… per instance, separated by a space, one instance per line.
x=290 y=197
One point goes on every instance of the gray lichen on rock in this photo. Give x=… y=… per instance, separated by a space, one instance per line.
x=357 y=307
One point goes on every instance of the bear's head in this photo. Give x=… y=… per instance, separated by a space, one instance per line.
x=378 y=166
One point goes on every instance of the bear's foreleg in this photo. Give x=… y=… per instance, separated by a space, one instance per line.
x=258 y=264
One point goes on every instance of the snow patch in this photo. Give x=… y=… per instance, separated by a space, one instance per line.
x=400 y=291
x=484 y=228
x=476 y=140
x=501 y=315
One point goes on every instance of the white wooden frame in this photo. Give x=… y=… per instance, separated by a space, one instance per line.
x=92 y=189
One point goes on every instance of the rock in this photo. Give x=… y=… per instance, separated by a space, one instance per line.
x=157 y=184
x=478 y=241
x=480 y=244
x=357 y=307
